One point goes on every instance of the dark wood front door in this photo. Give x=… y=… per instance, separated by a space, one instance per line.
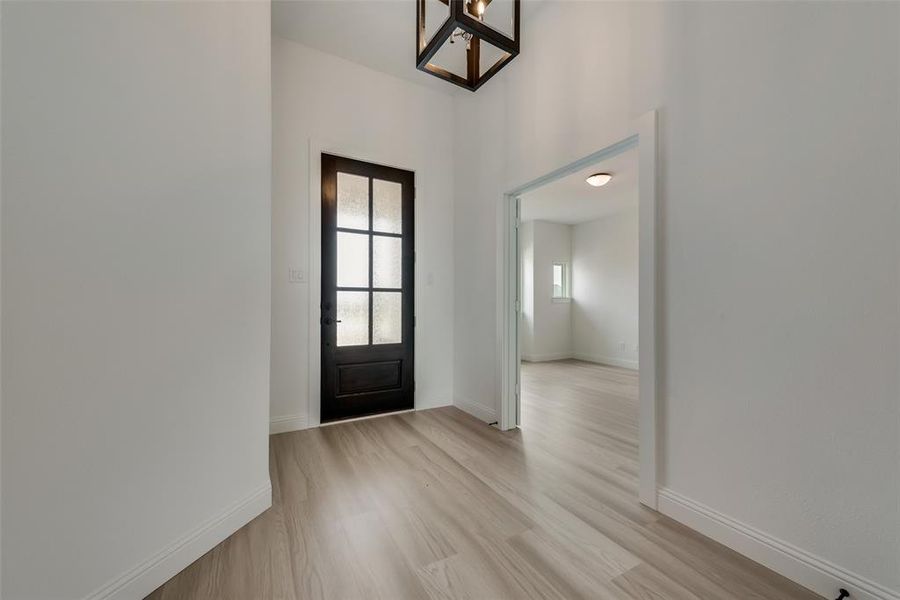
x=367 y=288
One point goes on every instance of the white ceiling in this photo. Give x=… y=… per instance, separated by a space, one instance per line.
x=380 y=34
x=570 y=200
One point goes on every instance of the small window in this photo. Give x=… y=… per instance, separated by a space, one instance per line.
x=560 y=281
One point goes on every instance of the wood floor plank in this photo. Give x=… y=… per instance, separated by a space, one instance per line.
x=573 y=572
x=443 y=581
x=646 y=583
x=438 y=505
x=379 y=561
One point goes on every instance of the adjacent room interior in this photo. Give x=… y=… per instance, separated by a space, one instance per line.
x=263 y=300
x=579 y=255
x=578 y=335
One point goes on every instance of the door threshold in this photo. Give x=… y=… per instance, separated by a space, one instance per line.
x=366 y=417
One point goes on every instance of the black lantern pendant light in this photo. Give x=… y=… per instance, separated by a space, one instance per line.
x=466 y=41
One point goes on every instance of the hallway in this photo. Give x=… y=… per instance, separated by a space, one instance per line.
x=436 y=504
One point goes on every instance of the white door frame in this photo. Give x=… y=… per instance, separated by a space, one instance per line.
x=643 y=134
x=314 y=220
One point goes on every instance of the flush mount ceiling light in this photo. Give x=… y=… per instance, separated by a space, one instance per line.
x=599 y=179
x=466 y=41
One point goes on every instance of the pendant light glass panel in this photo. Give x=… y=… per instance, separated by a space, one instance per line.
x=489 y=55
x=436 y=14
x=499 y=15
x=452 y=57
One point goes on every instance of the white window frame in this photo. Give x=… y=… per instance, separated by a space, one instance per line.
x=566 y=282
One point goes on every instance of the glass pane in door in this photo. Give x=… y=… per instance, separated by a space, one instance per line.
x=387 y=317
x=387 y=210
x=352 y=259
x=387 y=270
x=352 y=318
x=352 y=201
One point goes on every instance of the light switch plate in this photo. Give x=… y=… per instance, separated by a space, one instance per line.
x=296 y=276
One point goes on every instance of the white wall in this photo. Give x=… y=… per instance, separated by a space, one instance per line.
x=361 y=113
x=135 y=288
x=548 y=333
x=780 y=141
x=605 y=290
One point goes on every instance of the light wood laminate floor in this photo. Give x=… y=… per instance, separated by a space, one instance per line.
x=436 y=504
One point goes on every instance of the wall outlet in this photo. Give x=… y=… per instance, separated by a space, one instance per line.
x=296 y=276
x=622 y=347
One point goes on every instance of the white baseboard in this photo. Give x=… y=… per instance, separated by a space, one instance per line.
x=607 y=360
x=486 y=414
x=142 y=579
x=287 y=423
x=546 y=357
x=810 y=571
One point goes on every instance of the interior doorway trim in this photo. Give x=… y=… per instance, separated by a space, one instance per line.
x=314 y=253
x=643 y=134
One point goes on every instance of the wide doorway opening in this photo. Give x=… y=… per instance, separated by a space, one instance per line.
x=579 y=325
x=578 y=308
